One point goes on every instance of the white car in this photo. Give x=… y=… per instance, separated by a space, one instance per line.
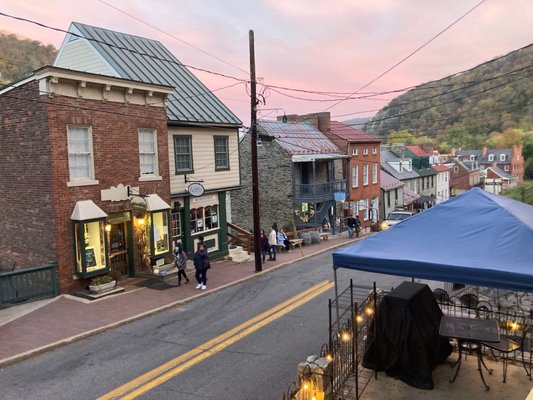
x=394 y=217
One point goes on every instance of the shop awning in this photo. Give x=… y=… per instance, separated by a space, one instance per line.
x=155 y=203
x=86 y=210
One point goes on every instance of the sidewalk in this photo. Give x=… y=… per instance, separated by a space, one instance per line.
x=35 y=327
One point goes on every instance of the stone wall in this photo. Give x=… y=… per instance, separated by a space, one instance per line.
x=275 y=186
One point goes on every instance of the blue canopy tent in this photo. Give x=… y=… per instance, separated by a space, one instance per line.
x=476 y=238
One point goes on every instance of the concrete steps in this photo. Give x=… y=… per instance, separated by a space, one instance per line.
x=238 y=254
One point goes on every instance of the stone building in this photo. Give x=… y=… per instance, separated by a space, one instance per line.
x=300 y=177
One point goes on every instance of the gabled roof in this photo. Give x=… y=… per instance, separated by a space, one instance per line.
x=387 y=156
x=297 y=138
x=485 y=160
x=419 y=151
x=388 y=182
x=440 y=167
x=498 y=171
x=350 y=134
x=146 y=60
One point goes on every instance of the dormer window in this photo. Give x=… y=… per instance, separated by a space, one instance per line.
x=472 y=157
x=455 y=170
x=491 y=157
x=502 y=157
x=354 y=151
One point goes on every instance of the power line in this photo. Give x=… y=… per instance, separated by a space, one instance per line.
x=102 y=42
x=172 y=36
x=411 y=54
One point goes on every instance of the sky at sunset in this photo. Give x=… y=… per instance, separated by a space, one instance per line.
x=340 y=48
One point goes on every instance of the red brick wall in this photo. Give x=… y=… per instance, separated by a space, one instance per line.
x=25 y=181
x=372 y=189
x=48 y=202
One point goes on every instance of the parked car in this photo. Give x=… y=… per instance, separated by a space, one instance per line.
x=394 y=217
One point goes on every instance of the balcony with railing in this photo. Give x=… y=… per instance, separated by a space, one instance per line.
x=318 y=192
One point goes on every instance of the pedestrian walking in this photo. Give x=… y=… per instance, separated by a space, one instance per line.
x=263 y=243
x=180 y=261
x=351 y=225
x=272 y=242
x=200 y=265
x=357 y=226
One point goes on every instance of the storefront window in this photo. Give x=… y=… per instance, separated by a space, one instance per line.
x=204 y=218
x=160 y=231
x=176 y=224
x=90 y=248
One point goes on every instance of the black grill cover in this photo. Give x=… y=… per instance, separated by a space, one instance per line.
x=407 y=344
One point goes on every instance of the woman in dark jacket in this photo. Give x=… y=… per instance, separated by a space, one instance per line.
x=200 y=264
x=263 y=243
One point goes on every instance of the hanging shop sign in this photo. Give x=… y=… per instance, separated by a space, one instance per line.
x=196 y=189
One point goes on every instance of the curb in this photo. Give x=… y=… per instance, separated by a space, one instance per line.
x=30 y=353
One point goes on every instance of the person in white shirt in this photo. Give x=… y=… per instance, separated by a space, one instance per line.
x=272 y=242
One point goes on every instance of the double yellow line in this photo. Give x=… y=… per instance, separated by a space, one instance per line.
x=168 y=370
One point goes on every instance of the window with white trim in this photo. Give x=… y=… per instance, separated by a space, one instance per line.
x=365 y=151
x=374 y=150
x=491 y=157
x=365 y=174
x=506 y=168
x=472 y=157
x=175 y=224
x=183 y=154
x=221 y=153
x=148 y=152
x=455 y=170
x=375 y=173
x=80 y=153
x=355 y=176
x=367 y=210
x=502 y=157
x=355 y=151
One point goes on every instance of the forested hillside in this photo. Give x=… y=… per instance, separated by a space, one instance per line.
x=19 y=57
x=464 y=109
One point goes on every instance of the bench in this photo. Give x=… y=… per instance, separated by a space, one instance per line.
x=296 y=242
x=324 y=235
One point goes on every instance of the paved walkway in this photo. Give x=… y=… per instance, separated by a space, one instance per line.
x=35 y=327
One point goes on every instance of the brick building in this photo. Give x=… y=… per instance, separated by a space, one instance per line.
x=362 y=171
x=72 y=144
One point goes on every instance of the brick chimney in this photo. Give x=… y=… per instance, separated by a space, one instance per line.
x=453 y=152
x=320 y=121
x=484 y=152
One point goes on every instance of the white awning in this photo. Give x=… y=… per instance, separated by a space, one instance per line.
x=86 y=210
x=155 y=203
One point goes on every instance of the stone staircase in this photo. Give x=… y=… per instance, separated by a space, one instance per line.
x=238 y=254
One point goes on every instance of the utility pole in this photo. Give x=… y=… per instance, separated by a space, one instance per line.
x=255 y=173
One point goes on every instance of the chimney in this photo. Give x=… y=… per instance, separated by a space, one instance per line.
x=453 y=151
x=484 y=152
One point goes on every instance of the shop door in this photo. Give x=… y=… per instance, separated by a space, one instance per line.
x=118 y=248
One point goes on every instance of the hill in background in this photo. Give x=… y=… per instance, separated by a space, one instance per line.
x=492 y=97
x=19 y=57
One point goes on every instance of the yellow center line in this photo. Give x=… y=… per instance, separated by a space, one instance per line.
x=179 y=364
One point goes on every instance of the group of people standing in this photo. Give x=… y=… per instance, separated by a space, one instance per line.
x=269 y=243
x=354 y=225
x=200 y=260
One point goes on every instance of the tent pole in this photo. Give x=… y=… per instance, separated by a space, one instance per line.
x=336 y=298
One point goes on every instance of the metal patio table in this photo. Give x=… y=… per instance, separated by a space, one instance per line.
x=469 y=333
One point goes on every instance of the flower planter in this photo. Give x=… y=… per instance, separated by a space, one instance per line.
x=97 y=289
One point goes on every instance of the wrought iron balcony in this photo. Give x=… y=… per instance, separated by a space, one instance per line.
x=318 y=192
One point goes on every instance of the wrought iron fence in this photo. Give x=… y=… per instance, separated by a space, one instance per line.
x=28 y=284
x=350 y=316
